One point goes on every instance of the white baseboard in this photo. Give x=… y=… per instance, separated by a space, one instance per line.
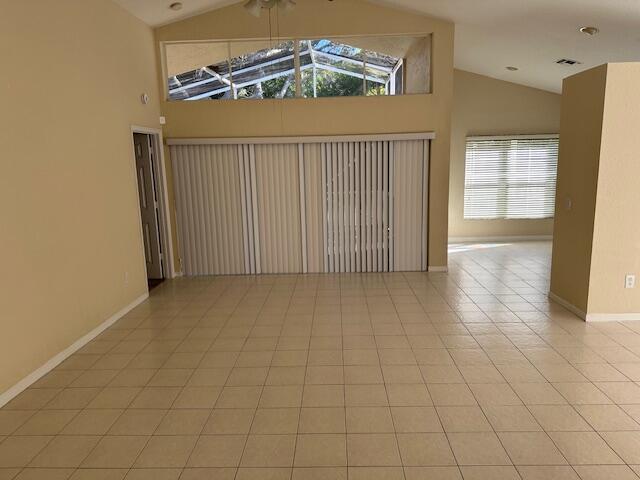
x=435 y=268
x=595 y=317
x=517 y=238
x=569 y=306
x=613 y=317
x=67 y=352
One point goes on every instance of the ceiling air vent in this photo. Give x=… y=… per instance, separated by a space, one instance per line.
x=568 y=61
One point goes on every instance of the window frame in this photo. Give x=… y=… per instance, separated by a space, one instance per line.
x=502 y=184
x=298 y=74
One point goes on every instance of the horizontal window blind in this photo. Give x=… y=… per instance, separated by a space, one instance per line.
x=510 y=177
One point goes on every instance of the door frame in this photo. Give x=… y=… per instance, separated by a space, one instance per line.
x=164 y=220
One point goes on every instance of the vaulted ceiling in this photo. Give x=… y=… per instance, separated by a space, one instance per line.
x=493 y=34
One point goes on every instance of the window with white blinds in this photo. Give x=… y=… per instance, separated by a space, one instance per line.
x=510 y=177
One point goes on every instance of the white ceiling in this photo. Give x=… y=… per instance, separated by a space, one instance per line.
x=492 y=34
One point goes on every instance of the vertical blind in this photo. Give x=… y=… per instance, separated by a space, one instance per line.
x=334 y=204
x=358 y=192
x=510 y=177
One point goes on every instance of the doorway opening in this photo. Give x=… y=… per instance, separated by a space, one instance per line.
x=154 y=224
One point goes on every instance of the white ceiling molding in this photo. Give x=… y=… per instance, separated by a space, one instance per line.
x=493 y=34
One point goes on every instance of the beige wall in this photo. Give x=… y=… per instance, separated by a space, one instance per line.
x=486 y=106
x=311 y=18
x=616 y=240
x=73 y=72
x=597 y=240
x=580 y=132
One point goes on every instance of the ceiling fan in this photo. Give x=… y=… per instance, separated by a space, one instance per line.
x=254 y=7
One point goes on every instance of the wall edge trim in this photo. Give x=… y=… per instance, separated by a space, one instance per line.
x=595 y=317
x=438 y=268
x=612 y=317
x=56 y=360
x=569 y=306
x=508 y=238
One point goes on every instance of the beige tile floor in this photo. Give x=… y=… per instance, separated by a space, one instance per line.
x=471 y=374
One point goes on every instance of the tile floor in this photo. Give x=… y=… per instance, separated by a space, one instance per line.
x=471 y=374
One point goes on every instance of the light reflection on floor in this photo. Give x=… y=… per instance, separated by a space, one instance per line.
x=467 y=247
